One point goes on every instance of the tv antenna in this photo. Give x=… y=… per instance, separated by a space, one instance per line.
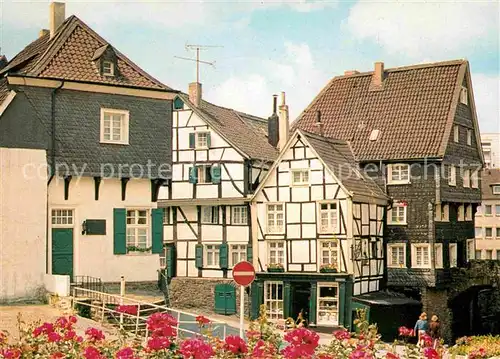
x=197 y=60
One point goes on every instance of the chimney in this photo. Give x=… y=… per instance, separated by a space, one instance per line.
x=195 y=93
x=378 y=75
x=57 y=16
x=3 y=61
x=351 y=72
x=43 y=32
x=284 y=123
x=272 y=125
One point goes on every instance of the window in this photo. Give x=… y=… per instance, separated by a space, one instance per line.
x=239 y=215
x=488 y=232
x=479 y=210
x=397 y=214
x=328 y=304
x=468 y=212
x=202 y=139
x=238 y=253
x=470 y=249
x=108 y=68
x=497 y=209
x=276 y=253
x=166 y=215
x=498 y=254
x=478 y=232
x=397 y=255
x=438 y=255
x=329 y=252
x=498 y=232
x=469 y=137
x=478 y=254
x=210 y=215
x=456 y=133
x=212 y=254
x=137 y=228
x=399 y=174
x=453 y=255
x=461 y=213
x=420 y=256
x=299 y=177
x=62 y=217
x=114 y=126
x=467 y=178
x=496 y=189
x=204 y=174
x=273 y=299
x=445 y=212
x=474 y=179
x=489 y=254
x=275 y=218
x=463 y=95
x=452 y=181
x=328 y=214
x=488 y=210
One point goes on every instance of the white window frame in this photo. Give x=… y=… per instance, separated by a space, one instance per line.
x=481 y=232
x=214 y=249
x=496 y=189
x=304 y=177
x=466 y=178
x=65 y=217
x=453 y=255
x=490 y=251
x=277 y=247
x=478 y=254
x=211 y=221
x=469 y=137
x=456 y=133
x=239 y=215
x=197 y=140
x=461 y=213
x=124 y=126
x=274 y=310
x=474 y=179
x=399 y=168
x=463 y=96
x=111 y=71
x=328 y=299
x=405 y=213
x=332 y=227
x=396 y=246
x=438 y=255
x=470 y=249
x=271 y=209
x=486 y=232
x=445 y=212
x=166 y=215
x=468 y=212
x=240 y=249
x=497 y=209
x=414 y=259
x=201 y=173
x=138 y=226
x=452 y=180
x=491 y=210
x=333 y=246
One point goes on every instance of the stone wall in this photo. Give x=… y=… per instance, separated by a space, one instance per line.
x=198 y=294
x=435 y=302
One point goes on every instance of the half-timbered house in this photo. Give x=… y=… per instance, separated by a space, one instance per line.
x=318 y=229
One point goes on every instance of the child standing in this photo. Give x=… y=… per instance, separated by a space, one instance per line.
x=421 y=327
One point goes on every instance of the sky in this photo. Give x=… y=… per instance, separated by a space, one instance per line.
x=264 y=47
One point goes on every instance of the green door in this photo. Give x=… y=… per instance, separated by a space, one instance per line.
x=62 y=251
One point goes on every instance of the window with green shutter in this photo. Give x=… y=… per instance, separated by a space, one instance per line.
x=215 y=173
x=223 y=256
x=287 y=299
x=157 y=230
x=312 y=303
x=209 y=141
x=249 y=253
x=170 y=260
x=199 y=256
x=119 y=231
x=192 y=140
x=193 y=174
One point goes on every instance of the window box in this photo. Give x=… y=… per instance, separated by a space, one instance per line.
x=275 y=268
x=138 y=250
x=328 y=268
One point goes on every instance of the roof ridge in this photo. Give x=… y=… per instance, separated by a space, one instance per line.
x=324 y=138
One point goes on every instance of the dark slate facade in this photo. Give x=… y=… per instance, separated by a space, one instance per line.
x=27 y=123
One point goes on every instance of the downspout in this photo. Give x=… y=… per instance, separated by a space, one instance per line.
x=52 y=168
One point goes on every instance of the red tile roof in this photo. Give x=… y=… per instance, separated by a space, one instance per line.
x=411 y=112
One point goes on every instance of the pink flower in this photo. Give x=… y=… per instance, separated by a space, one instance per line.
x=342 y=334
x=92 y=353
x=253 y=334
x=54 y=337
x=195 y=348
x=427 y=340
x=158 y=343
x=70 y=335
x=263 y=350
x=392 y=356
x=162 y=324
x=202 y=320
x=45 y=328
x=94 y=334
x=431 y=353
x=235 y=345
x=302 y=336
x=58 y=355
x=125 y=353
x=405 y=332
x=128 y=309
x=360 y=354
x=10 y=353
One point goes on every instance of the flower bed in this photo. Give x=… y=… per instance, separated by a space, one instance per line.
x=59 y=340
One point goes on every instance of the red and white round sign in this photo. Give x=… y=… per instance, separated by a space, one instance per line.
x=244 y=273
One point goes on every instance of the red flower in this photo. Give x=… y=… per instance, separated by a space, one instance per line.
x=54 y=337
x=325 y=356
x=58 y=355
x=128 y=309
x=253 y=334
x=45 y=328
x=94 y=334
x=161 y=324
x=196 y=348
x=92 y=353
x=63 y=323
x=11 y=353
x=360 y=354
x=125 y=353
x=263 y=350
x=70 y=335
x=431 y=353
x=427 y=340
x=392 y=356
x=405 y=332
x=235 y=345
x=158 y=343
x=342 y=334
x=202 y=320
x=3 y=338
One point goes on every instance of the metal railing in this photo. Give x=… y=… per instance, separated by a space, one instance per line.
x=88 y=282
x=104 y=306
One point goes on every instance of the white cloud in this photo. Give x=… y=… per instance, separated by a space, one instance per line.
x=423 y=28
x=295 y=73
x=487 y=97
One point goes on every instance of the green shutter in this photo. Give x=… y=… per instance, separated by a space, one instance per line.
x=193 y=174
x=250 y=253
x=178 y=104
x=257 y=294
x=287 y=300
x=157 y=230
x=170 y=260
x=119 y=231
x=199 y=256
x=223 y=256
x=215 y=173
x=312 y=303
x=191 y=140
x=208 y=140
x=341 y=303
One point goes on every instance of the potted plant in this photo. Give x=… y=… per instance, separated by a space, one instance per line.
x=328 y=268
x=275 y=267
x=135 y=249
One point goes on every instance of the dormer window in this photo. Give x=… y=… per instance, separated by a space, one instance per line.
x=463 y=96
x=496 y=189
x=108 y=68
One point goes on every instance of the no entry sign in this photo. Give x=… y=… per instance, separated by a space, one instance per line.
x=244 y=273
